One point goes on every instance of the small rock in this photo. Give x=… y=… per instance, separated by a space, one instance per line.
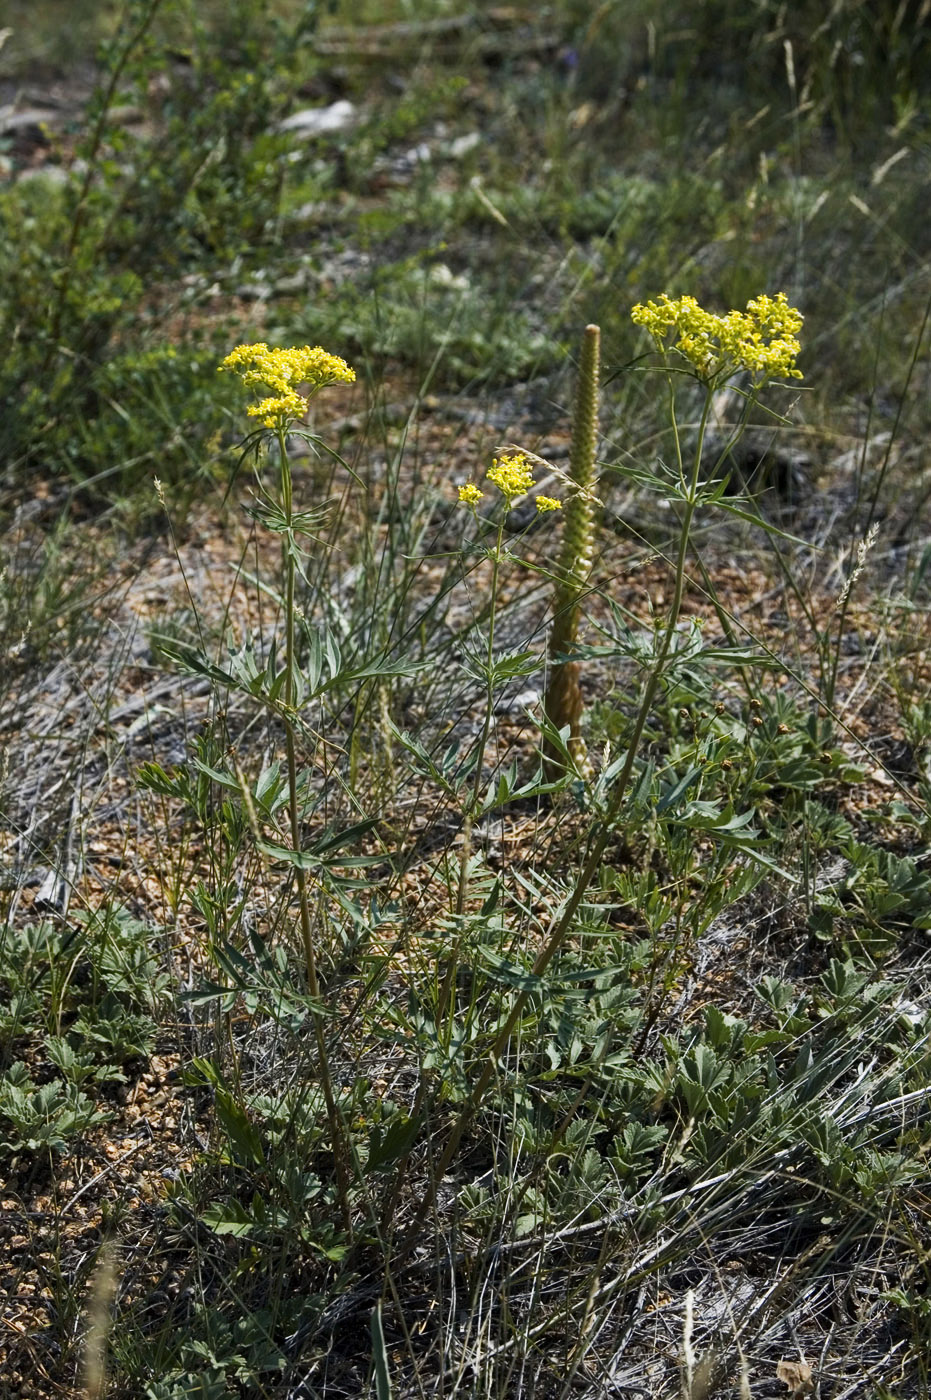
x=464 y=144
x=50 y=174
x=127 y=115
x=34 y=121
x=520 y=703
x=417 y=155
x=443 y=276
x=321 y=121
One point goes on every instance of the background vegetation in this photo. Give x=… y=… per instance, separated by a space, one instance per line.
x=690 y=1153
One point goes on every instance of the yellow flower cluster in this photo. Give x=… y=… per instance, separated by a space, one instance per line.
x=282 y=370
x=513 y=476
x=762 y=340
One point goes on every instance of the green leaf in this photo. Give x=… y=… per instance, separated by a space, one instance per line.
x=391 y=1144
x=323 y=853
x=154 y=778
x=380 y=1356
x=228 y=1218
x=753 y=517
x=217 y=775
x=506 y=787
x=672 y=795
x=244 y=1137
x=205 y=992
x=511 y=974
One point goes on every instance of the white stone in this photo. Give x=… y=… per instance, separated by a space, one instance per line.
x=464 y=144
x=321 y=121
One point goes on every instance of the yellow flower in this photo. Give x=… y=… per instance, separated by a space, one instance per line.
x=762 y=339
x=548 y=503
x=470 y=495
x=282 y=371
x=289 y=405
x=513 y=475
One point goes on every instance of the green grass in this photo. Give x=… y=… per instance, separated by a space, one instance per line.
x=343 y=1048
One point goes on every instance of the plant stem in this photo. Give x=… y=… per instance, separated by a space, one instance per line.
x=476 y=793
x=310 y=963
x=830 y=686
x=472 y=806
x=562 y=703
x=80 y=209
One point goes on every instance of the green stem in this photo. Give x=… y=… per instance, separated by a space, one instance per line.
x=830 y=686
x=562 y=701
x=310 y=962
x=474 y=799
x=476 y=793
x=80 y=210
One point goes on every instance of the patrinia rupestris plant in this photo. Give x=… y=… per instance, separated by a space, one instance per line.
x=283 y=381
x=562 y=703
x=285 y=373
x=759 y=344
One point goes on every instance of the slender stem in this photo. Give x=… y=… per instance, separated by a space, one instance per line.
x=446 y=989
x=310 y=963
x=462 y=890
x=475 y=797
x=90 y=173
x=563 y=703
x=830 y=686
